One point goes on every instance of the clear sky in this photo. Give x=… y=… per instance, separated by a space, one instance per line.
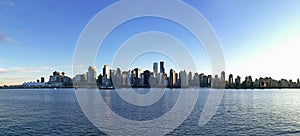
x=258 y=37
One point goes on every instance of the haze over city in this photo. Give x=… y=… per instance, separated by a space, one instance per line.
x=258 y=38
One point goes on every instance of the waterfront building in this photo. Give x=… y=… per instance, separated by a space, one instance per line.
x=247 y=83
x=298 y=83
x=33 y=84
x=172 y=78
x=162 y=67
x=99 y=80
x=42 y=80
x=56 y=77
x=208 y=81
x=201 y=78
x=256 y=83
x=116 y=77
x=137 y=72
x=58 y=80
x=238 y=82
x=146 y=77
x=155 y=67
x=215 y=82
x=106 y=72
x=183 y=78
x=223 y=77
x=136 y=77
x=80 y=78
x=125 y=78
x=161 y=79
x=106 y=82
x=283 y=83
x=142 y=79
x=91 y=74
x=56 y=73
x=190 y=79
x=230 y=81
x=196 y=80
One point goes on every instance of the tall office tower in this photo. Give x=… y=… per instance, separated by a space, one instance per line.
x=137 y=72
x=56 y=77
x=147 y=75
x=125 y=78
x=137 y=77
x=201 y=78
x=42 y=80
x=92 y=74
x=117 y=79
x=183 y=78
x=106 y=72
x=230 y=79
x=155 y=67
x=55 y=73
x=237 y=81
x=172 y=77
x=209 y=81
x=162 y=67
x=190 y=77
x=63 y=74
x=196 y=80
x=132 y=77
x=223 y=77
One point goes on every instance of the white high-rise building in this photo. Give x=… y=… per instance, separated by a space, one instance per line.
x=92 y=74
x=183 y=78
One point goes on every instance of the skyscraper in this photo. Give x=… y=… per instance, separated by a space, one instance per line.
x=183 y=78
x=125 y=78
x=55 y=73
x=155 y=67
x=230 y=79
x=137 y=77
x=106 y=72
x=190 y=78
x=223 y=77
x=237 y=82
x=92 y=74
x=172 y=77
x=162 y=67
x=42 y=79
x=146 y=77
x=137 y=72
x=209 y=81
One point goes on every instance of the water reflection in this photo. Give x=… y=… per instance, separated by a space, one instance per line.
x=251 y=112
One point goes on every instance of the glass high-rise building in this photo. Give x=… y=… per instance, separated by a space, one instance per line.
x=106 y=72
x=172 y=77
x=155 y=67
x=223 y=76
x=92 y=74
x=162 y=67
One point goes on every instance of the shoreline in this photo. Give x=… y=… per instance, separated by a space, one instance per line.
x=105 y=88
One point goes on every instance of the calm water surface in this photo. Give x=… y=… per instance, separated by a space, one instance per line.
x=57 y=112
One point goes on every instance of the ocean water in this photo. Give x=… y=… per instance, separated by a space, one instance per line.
x=241 y=112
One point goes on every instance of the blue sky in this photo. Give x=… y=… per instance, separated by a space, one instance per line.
x=258 y=37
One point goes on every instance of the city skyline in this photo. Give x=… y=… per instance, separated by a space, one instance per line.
x=140 y=78
x=257 y=38
x=182 y=78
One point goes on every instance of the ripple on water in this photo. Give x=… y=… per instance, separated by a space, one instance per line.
x=250 y=112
